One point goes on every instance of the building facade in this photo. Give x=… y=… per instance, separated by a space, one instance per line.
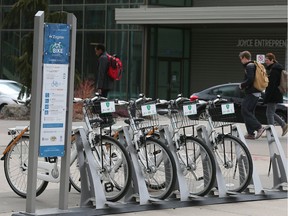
x=167 y=46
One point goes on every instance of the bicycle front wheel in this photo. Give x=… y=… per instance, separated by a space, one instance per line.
x=198 y=166
x=235 y=162
x=16 y=168
x=74 y=178
x=113 y=164
x=158 y=168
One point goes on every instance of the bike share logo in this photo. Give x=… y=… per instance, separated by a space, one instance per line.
x=56 y=48
x=107 y=107
x=148 y=109
x=189 y=109
x=227 y=108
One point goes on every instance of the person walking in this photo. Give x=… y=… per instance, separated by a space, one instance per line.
x=251 y=97
x=272 y=92
x=103 y=82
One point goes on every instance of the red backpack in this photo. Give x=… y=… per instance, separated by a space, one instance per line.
x=114 y=67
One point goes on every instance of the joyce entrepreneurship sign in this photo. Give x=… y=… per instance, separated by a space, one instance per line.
x=54 y=92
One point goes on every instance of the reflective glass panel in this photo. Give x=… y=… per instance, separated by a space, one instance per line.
x=9 y=2
x=78 y=12
x=89 y=56
x=111 y=23
x=94 y=17
x=73 y=1
x=10 y=43
x=13 y=21
x=95 y=1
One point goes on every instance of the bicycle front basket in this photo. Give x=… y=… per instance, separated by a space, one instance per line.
x=185 y=116
x=148 y=113
x=223 y=114
x=94 y=111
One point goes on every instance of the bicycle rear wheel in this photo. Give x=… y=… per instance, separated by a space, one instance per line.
x=16 y=168
x=113 y=165
x=198 y=166
x=158 y=168
x=235 y=162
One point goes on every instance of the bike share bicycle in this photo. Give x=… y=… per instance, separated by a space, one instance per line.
x=112 y=160
x=195 y=159
x=233 y=157
x=153 y=163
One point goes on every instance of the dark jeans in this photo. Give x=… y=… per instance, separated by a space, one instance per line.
x=248 y=113
x=272 y=116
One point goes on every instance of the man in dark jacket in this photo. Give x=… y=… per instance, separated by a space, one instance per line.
x=272 y=92
x=251 y=98
x=104 y=82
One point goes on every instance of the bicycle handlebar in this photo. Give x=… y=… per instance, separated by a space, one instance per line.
x=215 y=101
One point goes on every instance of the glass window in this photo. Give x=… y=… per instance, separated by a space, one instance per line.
x=111 y=23
x=55 y=1
x=135 y=64
x=94 y=17
x=10 y=43
x=137 y=1
x=78 y=12
x=27 y=22
x=72 y=1
x=14 y=21
x=79 y=56
x=9 y=2
x=93 y=1
x=117 y=1
x=178 y=3
x=226 y=91
x=89 y=56
x=170 y=42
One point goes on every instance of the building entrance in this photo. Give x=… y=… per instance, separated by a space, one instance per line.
x=168 y=84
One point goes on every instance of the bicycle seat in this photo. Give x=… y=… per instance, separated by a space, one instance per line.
x=127 y=121
x=165 y=111
x=96 y=120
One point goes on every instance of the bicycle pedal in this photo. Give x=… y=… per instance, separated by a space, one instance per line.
x=108 y=187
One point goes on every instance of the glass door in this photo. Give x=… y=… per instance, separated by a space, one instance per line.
x=168 y=79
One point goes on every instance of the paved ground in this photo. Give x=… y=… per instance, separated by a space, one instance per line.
x=10 y=203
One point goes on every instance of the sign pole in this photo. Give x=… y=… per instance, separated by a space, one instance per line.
x=65 y=162
x=35 y=110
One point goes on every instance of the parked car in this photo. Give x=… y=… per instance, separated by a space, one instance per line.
x=232 y=93
x=9 y=93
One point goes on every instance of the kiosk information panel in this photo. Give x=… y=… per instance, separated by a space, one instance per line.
x=54 y=92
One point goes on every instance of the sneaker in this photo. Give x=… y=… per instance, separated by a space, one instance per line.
x=260 y=132
x=285 y=130
x=249 y=136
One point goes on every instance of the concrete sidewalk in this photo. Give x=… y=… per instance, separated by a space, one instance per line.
x=10 y=203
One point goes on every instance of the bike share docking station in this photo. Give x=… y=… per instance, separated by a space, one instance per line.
x=93 y=201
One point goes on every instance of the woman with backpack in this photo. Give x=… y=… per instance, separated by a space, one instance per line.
x=272 y=92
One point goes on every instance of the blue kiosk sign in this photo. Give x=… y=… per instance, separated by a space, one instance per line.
x=54 y=89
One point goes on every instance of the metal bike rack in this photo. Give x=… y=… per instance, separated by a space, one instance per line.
x=181 y=185
x=277 y=158
x=90 y=180
x=258 y=189
x=220 y=181
x=92 y=189
x=139 y=188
